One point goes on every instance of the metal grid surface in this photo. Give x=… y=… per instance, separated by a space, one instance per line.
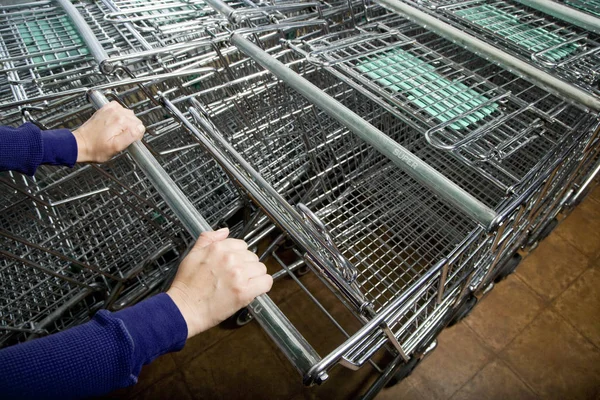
x=556 y=46
x=591 y=7
x=484 y=125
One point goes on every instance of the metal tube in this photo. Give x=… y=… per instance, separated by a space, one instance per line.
x=483 y=49
x=193 y=221
x=109 y=85
x=569 y=14
x=90 y=40
x=385 y=377
x=404 y=159
x=585 y=185
x=266 y=312
x=224 y=10
x=333 y=357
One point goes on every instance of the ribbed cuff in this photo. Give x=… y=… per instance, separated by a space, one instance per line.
x=59 y=147
x=20 y=148
x=156 y=327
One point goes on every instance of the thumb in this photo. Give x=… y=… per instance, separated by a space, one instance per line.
x=207 y=238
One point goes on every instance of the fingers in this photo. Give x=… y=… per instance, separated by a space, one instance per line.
x=233 y=245
x=248 y=257
x=255 y=270
x=259 y=285
x=207 y=238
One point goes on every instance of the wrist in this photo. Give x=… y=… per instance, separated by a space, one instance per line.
x=185 y=306
x=82 y=147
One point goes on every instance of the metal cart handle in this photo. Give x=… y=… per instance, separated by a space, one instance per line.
x=94 y=46
x=404 y=159
x=270 y=317
x=565 y=13
x=483 y=49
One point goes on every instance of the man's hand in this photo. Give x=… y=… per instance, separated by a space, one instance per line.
x=110 y=130
x=218 y=277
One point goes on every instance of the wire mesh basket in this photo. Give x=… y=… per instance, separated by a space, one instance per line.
x=558 y=47
x=591 y=7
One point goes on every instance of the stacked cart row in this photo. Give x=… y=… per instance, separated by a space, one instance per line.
x=404 y=153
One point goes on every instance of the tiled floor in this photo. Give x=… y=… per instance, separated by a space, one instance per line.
x=536 y=335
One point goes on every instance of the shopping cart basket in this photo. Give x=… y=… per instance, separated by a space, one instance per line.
x=565 y=50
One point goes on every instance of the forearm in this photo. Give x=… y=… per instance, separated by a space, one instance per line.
x=25 y=148
x=95 y=358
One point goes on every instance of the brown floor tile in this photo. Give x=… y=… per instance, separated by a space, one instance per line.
x=504 y=312
x=580 y=228
x=580 y=305
x=458 y=357
x=150 y=374
x=343 y=384
x=595 y=194
x=552 y=267
x=172 y=387
x=554 y=359
x=243 y=366
x=320 y=332
x=495 y=382
x=200 y=343
x=404 y=390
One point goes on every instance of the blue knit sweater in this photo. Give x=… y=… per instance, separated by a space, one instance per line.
x=102 y=355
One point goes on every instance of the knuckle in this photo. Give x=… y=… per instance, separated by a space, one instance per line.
x=263 y=268
x=218 y=246
x=236 y=276
x=228 y=259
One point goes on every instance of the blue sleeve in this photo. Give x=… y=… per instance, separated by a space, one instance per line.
x=25 y=148
x=95 y=358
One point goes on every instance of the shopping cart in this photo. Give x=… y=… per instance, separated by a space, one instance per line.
x=400 y=226
x=591 y=7
x=553 y=106
x=563 y=49
x=52 y=229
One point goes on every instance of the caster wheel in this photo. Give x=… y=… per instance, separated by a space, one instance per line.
x=463 y=310
x=409 y=367
x=237 y=320
x=404 y=371
x=546 y=230
x=508 y=267
x=302 y=271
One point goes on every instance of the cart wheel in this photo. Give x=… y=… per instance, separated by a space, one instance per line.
x=404 y=371
x=237 y=320
x=242 y=317
x=546 y=230
x=508 y=267
x=302 y=271
x=409 y=367
x=463 y=310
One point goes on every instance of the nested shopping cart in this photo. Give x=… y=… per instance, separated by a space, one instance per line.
x=511 y=146
x=398 y=225
x=591 y=7
x=56 y=253
x=361 y=201
x=309 y=235
x=558 y=47
x=43 y=56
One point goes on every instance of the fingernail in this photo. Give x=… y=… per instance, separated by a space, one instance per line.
x=141 y=129
x=222 y=230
